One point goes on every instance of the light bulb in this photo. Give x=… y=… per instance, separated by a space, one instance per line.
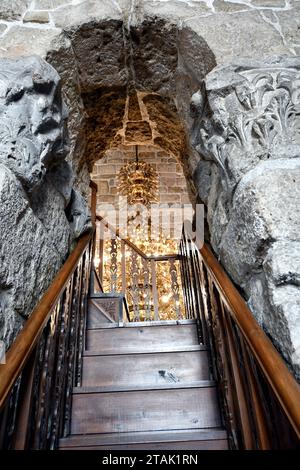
x=165 y=299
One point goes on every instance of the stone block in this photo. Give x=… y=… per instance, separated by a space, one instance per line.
x=24 y=41
x=36 y=17
x=13 y=9
x=240 y=35
x=49 y=4
x=166 y=168
x=87 y=10
x=3 y=28
x=289 y=22
x=175 y=10
x=185 y=199
x=102 y=187
x=266 y=207
x=107 y=170
x=230 y=7
x=268 y=3
x=169 y=198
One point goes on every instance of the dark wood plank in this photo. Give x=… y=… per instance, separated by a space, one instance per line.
x=186 y=445
x=142 y=387
x=139 y=350
x=108 y=307
x=96 y=317
x=131 y=438
x=141 y=369
x=145 y=411
x=145 y=337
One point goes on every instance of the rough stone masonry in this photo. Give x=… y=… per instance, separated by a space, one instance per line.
x=36 y=188
x=238 y=60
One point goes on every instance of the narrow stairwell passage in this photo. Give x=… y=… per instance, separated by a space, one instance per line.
x=90 y=370
x=145 y=386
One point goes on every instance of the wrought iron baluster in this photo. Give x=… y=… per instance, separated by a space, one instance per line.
x=175 y=288
x=135 y=293
x=86 y=269
x=100 y=266
x=113 y=264
x=61 y=367
x=154 y=289
x=123 y=266
x=72 y=350
x=146 y=289
x=44 y=398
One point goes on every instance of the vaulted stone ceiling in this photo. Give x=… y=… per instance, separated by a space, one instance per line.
x=115 y=118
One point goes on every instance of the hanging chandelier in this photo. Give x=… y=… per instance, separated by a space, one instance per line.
x=138 y=181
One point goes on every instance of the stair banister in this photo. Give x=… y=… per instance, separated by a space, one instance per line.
x=117 y=233
x=20 y=350
x=283 y=384
x=260 y=397
x=46 y=357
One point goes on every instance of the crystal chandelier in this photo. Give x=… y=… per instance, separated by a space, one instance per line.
x=138 y=181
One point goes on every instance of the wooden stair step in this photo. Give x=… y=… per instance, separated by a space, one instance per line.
x=141 y=337
x=176 y=445
x=146 y=410
x=142 y=387
x=159 y=323
x=165 y=440
x=91 y=326
x=139 y=350
x=152 y=368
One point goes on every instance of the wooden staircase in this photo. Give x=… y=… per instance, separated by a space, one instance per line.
x=144 y=386
x=81 y=374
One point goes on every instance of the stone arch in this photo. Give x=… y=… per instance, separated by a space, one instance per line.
x=103 y=63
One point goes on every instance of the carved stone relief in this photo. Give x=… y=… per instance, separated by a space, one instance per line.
x=35 y=188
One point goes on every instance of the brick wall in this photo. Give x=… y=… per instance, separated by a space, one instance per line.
x=172 y=183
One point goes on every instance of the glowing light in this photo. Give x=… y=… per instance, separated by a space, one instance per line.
x=138 y=181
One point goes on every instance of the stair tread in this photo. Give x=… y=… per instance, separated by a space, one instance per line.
x=146 y=410
x=146 y=324
x=142 y=337
x=180 y=435
x=132 y=369
x=136 y=350
x=140 y=388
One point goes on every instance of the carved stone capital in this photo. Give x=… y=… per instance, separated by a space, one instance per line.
x=248 y=112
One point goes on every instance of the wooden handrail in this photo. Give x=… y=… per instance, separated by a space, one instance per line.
x=163 y=257
x=20 y=351
x=283 y=384
x=117 y=233
x=94 y=189
x=93 y=185
x=132 y=245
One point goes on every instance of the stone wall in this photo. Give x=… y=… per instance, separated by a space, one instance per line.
x=230 y=28
x=40 y=212
x=172 y=183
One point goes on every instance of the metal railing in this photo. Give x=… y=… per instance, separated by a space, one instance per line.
x=139 y=277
